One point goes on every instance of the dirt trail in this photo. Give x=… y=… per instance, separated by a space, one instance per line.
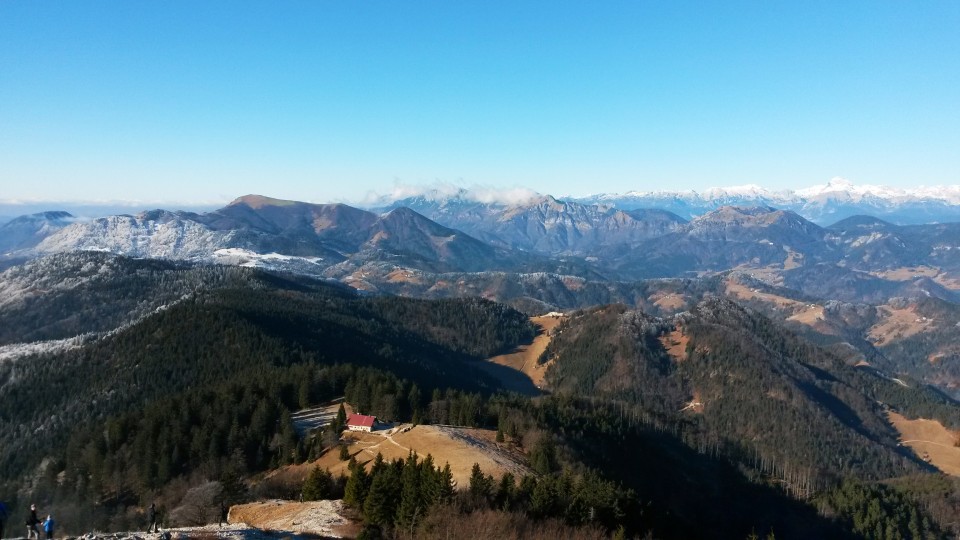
x=323 y=518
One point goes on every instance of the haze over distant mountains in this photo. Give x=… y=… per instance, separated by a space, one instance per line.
x=459 y=233
x=823 y=204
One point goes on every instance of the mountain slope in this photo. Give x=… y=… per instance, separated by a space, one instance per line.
x=739 y=383
x=288 y=235
x=27 y=231
x=238 y=327
x=544 y=224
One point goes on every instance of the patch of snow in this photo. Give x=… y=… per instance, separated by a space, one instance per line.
x=15 y=351
x=248 y=258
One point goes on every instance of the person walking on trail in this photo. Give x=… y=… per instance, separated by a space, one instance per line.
x=32 y=522
x=152 y=518
x=48 y=527
x=224 y=512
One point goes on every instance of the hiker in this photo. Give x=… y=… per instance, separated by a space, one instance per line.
x=223 y=514
x=48 y=527
x=152 y=518
x=3 y=517
x=32 y=522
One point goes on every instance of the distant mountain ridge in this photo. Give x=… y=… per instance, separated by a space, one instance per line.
x=27 y=231
x=823 y=204
x=458 y=235
x=260 y=231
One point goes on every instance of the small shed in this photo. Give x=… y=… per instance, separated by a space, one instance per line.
x=361 y=422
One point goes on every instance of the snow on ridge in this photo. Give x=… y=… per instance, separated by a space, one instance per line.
x=136 y=237
x=836 y=188
x=445 y=191
x=252 y=259
x=14 y=351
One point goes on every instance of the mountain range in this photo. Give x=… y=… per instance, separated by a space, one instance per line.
x=751 y=356
x=823 y=204
x=595 y=242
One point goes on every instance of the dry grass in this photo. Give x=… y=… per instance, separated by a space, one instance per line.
x=899 y=324
x=669 y=302
x=404 y=276
x=793 y=260
x=949 y=281
x=524 y=359
x=771 y=274
x=908 y=273
x=676 y=344
x=460 y=447
x=930 y=441
x=810 y=315
x=743 y=292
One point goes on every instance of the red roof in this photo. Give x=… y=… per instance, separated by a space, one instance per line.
x=361 y=420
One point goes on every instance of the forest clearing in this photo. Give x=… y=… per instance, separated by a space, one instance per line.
x=931 y=442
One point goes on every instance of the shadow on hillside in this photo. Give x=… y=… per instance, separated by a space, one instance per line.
x=510 y=379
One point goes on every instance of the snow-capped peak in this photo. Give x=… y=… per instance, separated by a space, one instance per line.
x=843 y=187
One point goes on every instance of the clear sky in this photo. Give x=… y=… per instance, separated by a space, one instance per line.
x=323 y=101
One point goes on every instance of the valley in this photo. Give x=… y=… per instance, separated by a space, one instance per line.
x=526 y=359
x=532 y=352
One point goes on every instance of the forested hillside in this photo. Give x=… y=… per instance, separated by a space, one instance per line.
x=212 y=378
x=716 y=422
x=723 y=387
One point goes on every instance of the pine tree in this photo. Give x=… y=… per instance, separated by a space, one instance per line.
x=543 y=499
x=341 y=421
x=480 y=485
x=415 y=408
x=447 y=487
x=412 y=505
x=504 y=496
x=380 y=507
x=429 y=481
x=319 y=485
x=355 y=491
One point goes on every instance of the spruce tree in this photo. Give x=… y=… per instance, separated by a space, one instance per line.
x=412 y=505
x=380 y=507
x=341 y=421
x=447 y=488
x=319 y=485
x=429 y=481
x=355 y=491
x=504 y=496
x=480 y=486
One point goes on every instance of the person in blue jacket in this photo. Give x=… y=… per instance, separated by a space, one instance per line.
x=48 y=527
x=3 y=517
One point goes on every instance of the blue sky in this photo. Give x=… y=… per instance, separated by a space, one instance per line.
x=323 y=101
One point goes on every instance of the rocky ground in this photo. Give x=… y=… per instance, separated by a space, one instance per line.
x=267 y=520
